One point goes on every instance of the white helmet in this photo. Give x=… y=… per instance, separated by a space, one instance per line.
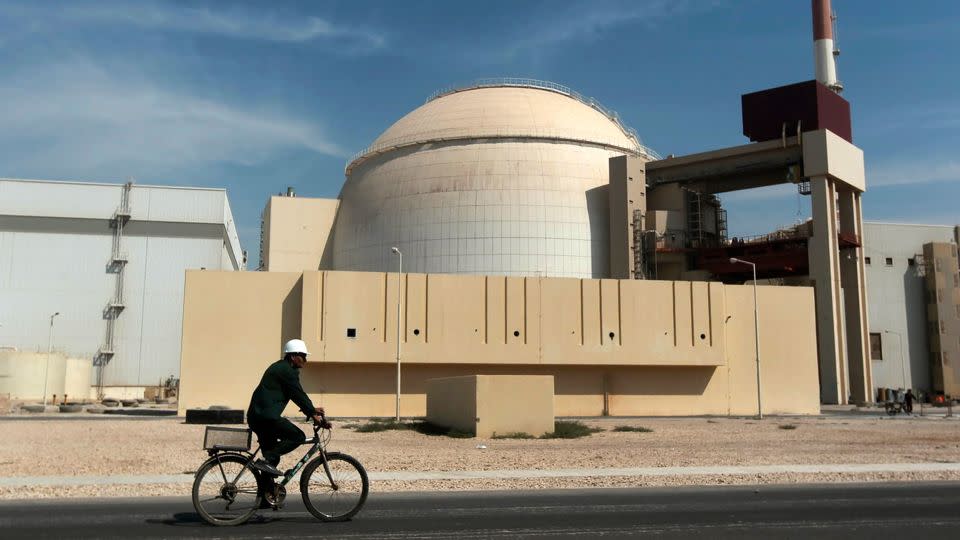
x=295 y=346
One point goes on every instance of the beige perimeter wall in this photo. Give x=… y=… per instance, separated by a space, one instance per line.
x=620 y=347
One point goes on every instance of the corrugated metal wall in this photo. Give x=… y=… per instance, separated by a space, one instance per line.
x=55 y=248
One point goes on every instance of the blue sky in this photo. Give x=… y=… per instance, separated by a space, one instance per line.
x=257 y=96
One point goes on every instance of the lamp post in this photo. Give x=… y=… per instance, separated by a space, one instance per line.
x=903 y=374
x=399 y=303
x=46 y=369
x=756 y=329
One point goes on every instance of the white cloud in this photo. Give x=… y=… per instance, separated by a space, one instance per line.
x=230 y=22
x=77 y=119
x=913 y=118
x=912 y=172
x=588 y=19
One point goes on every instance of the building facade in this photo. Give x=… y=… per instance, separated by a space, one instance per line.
x=109 y=260
x=896 y=273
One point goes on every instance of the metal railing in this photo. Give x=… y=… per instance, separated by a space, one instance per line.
x=550 y=134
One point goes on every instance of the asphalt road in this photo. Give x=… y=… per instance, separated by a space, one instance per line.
x=915 y=510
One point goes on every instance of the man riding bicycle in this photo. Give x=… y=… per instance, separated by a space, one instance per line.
x=279 y=385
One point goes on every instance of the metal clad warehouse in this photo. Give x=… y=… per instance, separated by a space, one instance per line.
x=899 y=323
x=110 y=258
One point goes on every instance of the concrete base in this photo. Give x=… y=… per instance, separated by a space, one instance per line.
x=488 y=405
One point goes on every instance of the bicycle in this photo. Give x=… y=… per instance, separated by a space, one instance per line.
x=228 y=490
x=895 y=407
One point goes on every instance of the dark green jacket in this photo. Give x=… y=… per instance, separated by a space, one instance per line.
x=280 y=384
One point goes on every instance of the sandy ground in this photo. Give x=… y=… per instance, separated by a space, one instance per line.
x=98 y=447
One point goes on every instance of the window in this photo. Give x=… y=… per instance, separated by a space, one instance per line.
x=889 y=261
x=866 y=260
x=911 y=262
x=876 y=347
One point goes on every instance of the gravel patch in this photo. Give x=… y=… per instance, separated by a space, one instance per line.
x=165 y=446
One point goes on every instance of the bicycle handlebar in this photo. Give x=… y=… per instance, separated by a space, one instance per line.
x=323 y=423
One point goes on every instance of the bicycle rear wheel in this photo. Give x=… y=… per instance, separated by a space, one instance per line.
x=340 y=499
x=226 y=490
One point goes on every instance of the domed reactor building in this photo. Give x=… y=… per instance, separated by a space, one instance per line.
x=502 y=177
x=513 y=231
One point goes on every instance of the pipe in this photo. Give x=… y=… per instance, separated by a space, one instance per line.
x=824 y=48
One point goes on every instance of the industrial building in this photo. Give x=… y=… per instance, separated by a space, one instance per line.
x=95 y=271
x=614 y=346
x=532 y=232
x=914 y=300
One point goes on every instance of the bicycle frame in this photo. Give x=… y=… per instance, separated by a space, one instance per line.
x=316 y=443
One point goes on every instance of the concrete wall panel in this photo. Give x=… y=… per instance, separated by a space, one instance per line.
x=713 y=375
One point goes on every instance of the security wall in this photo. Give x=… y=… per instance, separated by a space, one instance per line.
x=621 y=347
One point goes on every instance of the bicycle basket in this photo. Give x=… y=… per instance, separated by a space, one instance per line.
x=224 y=438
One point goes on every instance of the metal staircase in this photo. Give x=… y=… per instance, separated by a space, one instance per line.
x=116 y=265
x=639 y=266
x=695 y=218
x=722 y=225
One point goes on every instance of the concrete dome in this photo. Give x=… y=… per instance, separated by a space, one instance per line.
x=496 y=178
x=507 y=111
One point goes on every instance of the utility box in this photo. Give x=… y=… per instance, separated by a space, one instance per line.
x=489 y=405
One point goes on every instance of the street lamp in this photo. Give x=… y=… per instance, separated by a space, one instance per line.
x=756 y=328
x=46 y=369
x=399 y=303
x=903 y=375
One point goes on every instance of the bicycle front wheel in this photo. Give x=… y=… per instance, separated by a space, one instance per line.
x=226 y=490
x=339 y=495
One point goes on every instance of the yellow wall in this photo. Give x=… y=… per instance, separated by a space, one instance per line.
x=634 y=347
x=232 y=330
x=296 y=230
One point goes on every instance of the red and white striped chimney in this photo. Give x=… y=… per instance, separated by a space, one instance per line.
x=823 y=46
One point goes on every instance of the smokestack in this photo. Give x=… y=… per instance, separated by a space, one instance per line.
x=824 y=49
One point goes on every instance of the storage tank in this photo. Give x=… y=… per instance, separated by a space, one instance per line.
x=77 y=378
x=499 y=177
x=22 y=374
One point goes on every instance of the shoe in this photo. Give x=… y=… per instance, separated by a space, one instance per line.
x=265 y=467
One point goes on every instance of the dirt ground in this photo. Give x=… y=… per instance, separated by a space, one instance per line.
x=164 y=446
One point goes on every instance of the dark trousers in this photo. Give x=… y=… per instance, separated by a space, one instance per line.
x=277 y=437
